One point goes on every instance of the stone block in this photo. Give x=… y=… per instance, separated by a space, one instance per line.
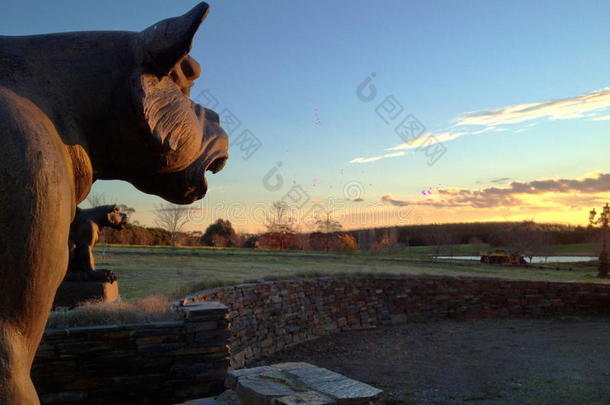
x=298 y=383
x=334 y=385
x=261 y=390
x=204 y=311
x=234 y=375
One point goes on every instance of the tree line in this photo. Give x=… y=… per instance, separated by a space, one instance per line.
x=526 y=237
x=282 y=232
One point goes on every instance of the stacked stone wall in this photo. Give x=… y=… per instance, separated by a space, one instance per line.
x=270 y=316
x=152 y=363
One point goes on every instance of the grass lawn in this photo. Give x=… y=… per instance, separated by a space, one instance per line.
x=145 y=271
x=576 y=249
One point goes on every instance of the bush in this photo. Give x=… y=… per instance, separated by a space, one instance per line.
x=220 y=234
x=249 y=241
x=332 y=241
x=136 y=235
x=278 y=241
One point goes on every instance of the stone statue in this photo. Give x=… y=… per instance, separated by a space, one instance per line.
x=75 y=108
x=84 y=234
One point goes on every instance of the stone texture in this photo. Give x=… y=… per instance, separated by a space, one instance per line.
x=72 y=293
x=261 y=389
x=294 y=384
x=333 y=385
x=189 y=359
x=269 y=316
x=304 y=398
x=160 y=362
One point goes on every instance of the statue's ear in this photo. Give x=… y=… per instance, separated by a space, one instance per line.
x=167 y=41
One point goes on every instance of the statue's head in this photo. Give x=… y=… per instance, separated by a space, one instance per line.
x=114 y=217
x=124 y=99
x=171 y=141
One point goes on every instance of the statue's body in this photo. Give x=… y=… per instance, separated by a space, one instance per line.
x=74 y=108
x=84 y=234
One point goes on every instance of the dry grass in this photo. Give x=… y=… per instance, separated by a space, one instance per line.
x=153 y=308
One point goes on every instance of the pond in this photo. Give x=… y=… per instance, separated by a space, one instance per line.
x=535 y=259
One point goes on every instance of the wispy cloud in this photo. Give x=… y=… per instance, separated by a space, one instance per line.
x=495 y=120
x=420 y=140
x=567 y=108
x=602 y=118
x=391 y=200
x=445 y=136
x=500 y=180
x=375 y=158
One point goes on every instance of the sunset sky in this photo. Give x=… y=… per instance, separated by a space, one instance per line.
x=386 y=112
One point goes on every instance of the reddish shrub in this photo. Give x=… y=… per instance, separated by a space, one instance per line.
x=333 y=241
x=277 y=241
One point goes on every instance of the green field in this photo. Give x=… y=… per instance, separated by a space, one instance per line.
x=172 y=271
x=577 y=249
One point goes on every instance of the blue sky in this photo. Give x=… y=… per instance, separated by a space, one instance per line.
x=289 y=72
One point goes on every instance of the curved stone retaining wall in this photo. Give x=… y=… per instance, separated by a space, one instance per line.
x=270 y=316
x=154 y=363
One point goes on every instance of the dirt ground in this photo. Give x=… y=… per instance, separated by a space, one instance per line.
x=557 y=361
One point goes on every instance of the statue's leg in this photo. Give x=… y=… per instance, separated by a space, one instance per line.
x=28 y=290
x=36 y=208
x=15 y=384
x=84 y=267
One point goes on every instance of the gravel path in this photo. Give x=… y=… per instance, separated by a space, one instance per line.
x=559 y=361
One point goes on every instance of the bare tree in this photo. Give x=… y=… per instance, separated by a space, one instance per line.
x=278 y=219
x=280 y=224
x=327 y=229
x=172 y=218
x=529 y=239
x=328 y=224
x=97 y=199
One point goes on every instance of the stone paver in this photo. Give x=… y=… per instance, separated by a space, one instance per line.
x=292 y=384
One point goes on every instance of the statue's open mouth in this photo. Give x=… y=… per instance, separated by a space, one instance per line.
x=213 y=159
x=215 y=165
x=202 y=147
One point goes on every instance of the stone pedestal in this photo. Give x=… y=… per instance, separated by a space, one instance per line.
x=72 y=293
